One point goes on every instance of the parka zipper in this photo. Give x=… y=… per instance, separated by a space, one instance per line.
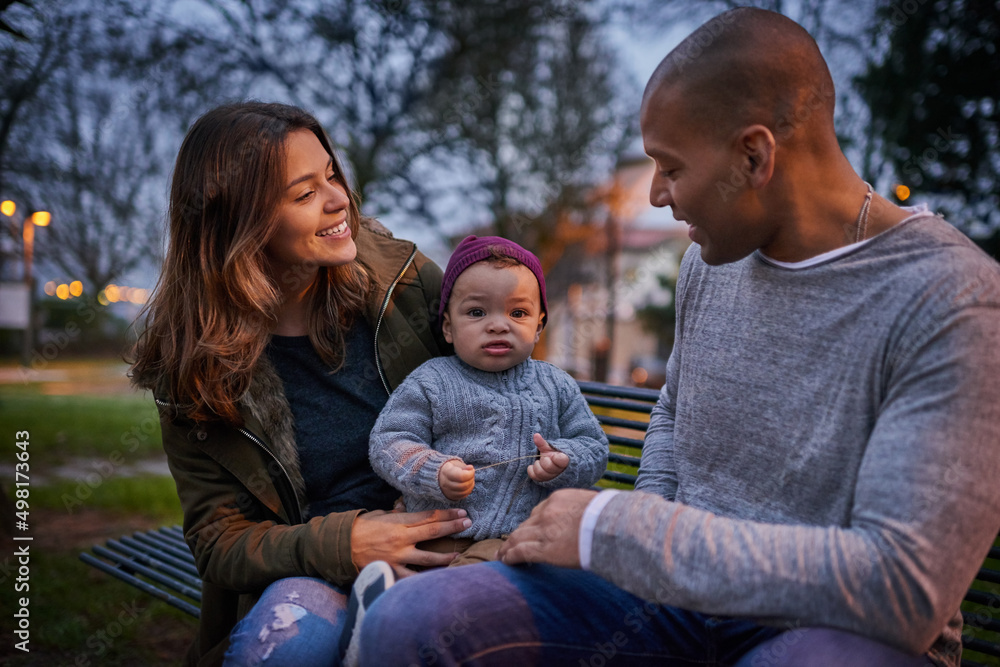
x=381 y=314
x=297 y=516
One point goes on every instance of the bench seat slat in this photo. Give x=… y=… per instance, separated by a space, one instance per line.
x=130 y=566
x=145 y=587
x=165 y=546
x=159 y=556
x=151 y=561
x=183 y=555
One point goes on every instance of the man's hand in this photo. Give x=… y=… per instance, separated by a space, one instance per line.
x=552 y=532
x=550 y=462
x=456 y=479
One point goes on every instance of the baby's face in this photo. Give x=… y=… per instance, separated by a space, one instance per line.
x=494 y=316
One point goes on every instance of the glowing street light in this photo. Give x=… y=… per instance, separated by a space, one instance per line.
x=36 y=219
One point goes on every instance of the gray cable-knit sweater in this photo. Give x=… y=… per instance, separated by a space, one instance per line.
x=446 y=409
x=826 y=449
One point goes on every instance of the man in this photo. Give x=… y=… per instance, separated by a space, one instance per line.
x=818 y=483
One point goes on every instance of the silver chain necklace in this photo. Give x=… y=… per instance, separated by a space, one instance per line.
x=862 y=224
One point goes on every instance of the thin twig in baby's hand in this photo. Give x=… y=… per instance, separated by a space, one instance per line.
x=501 y=463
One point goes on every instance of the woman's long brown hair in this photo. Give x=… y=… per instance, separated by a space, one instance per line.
x=215 y=304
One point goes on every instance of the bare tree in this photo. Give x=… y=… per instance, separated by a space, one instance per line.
x=82 y=134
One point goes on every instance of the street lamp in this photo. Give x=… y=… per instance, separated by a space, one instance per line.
x=36 y=219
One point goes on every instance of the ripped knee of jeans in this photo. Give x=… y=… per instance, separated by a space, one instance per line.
x=282 y=626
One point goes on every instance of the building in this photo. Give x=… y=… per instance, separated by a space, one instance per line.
x=593 y=330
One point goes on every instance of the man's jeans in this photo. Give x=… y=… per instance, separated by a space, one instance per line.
x=492 y=614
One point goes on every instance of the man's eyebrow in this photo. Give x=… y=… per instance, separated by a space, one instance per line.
x=306 y=177
x=656 y=153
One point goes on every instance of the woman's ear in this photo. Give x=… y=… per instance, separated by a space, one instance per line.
x=757 y=147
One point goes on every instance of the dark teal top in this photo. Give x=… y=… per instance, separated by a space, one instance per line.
x=334 y=414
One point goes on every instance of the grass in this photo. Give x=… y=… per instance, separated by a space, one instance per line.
x=64 y=427
x=79 y=615
x=150 y=495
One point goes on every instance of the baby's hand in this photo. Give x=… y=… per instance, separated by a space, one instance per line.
x=456 y=479
x=550 y=464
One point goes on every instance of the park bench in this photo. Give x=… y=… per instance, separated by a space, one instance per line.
x=159 y=562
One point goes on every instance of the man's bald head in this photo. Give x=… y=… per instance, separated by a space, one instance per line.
x=750 y=66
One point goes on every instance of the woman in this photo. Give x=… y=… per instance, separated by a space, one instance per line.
x=281 y=322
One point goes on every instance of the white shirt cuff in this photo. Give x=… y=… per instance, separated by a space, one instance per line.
x=589 y=523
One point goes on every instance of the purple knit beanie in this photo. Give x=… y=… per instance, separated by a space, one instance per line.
x=474 y=249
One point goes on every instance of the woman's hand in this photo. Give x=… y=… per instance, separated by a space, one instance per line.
x=456 y=479
x=551 y=462
x=392 y=536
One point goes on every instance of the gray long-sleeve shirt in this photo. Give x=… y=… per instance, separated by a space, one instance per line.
x=826 y=449
x=446 y=409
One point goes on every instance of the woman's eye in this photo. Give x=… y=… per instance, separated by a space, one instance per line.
x=332 y=178
x=304 y=196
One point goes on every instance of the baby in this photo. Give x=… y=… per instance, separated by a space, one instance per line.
x=489 y=430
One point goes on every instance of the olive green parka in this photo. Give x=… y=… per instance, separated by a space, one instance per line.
x=241 y=489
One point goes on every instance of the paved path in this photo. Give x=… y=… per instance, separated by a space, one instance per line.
x=62 y=378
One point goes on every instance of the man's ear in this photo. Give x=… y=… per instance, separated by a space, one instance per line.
x=756 y=146
x=446 y=328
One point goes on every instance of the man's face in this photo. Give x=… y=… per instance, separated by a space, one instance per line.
x=701 y=176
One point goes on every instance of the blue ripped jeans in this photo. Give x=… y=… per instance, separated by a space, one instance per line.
x=297 y=621
x=492 y=614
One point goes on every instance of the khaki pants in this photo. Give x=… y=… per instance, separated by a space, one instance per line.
x=470 y=551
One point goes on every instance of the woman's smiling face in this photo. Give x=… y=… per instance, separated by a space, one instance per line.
x=312 y=220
